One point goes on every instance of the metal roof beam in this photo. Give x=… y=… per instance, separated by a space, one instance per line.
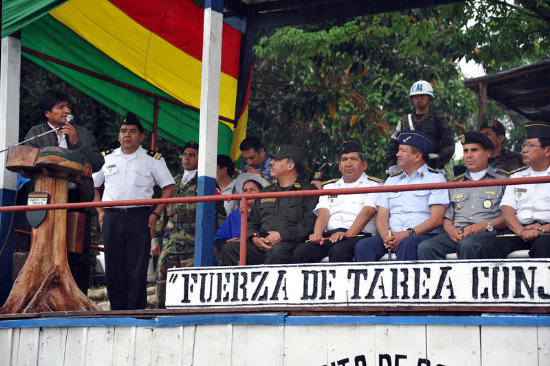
x=281 y=14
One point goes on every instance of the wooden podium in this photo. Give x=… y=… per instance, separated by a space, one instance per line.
x=45 y=282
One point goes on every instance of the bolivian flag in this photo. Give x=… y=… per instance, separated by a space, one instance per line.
x=153 y=45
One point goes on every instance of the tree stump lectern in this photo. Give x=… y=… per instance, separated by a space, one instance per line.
x=45 y=282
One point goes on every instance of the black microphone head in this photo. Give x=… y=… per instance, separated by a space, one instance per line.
x=69 y=118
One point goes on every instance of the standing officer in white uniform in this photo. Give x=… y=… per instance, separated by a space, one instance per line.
x=526 y=207
x=340 y=218
x=130 y=172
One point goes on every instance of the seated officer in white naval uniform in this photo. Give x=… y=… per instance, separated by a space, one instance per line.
x=130 y=172
x=340 y=218
x=408 y=217
x=473 y=213
x=526 y=207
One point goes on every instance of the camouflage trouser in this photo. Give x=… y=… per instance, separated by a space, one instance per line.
x=166 y=261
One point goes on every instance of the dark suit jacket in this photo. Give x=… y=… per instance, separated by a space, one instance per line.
x=86 y=146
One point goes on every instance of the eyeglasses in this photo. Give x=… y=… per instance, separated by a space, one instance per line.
x=529 y=146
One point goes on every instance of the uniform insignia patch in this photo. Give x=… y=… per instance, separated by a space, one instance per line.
x=457 y=178
x=397 y=172
x=154 y=154
x=519 y=169
x=106 y=152
x=329 y=181
x=378 y=180
x=457 y=196
x=268 y=200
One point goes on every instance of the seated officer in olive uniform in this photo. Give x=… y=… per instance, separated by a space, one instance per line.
x=342 y=219
x=277 y=225
x=500 y=157
x=473 y=213
x=526 y=207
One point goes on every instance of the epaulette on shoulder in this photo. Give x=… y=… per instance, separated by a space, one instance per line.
x=329 y=181
x=519 y=169
x=154 y=154
x=504 y=172
x=107 y=152
x=458 y=178
x=375 y=179
x=397 y=172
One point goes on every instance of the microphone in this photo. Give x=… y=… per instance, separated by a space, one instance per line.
x=69 y=118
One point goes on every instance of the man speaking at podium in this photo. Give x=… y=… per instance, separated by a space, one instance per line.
x=55 y=106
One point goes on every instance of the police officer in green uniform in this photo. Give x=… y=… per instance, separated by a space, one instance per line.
x=277 y=225
x=426 y=120
x=474 y=214
x=501 y=157
x=174 y=237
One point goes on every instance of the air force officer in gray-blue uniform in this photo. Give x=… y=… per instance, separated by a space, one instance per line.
x=407 y=218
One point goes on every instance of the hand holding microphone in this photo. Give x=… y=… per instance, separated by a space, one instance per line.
x=69 y=130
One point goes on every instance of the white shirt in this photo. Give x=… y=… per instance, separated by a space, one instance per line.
x=131 y=176
x=344 y=208
x=531 y=201
x=62 y=142
x=188 y=175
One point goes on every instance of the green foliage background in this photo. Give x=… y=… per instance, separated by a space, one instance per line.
x=317 y=85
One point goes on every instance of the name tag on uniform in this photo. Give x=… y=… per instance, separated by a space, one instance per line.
x=490 y=192
x=519 y=191
x=268 y=200
x=457 y=196
x=110 y=169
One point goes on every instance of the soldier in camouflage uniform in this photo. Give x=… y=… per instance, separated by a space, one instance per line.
x=427 y=120
x=174 y=237
x=501 y=157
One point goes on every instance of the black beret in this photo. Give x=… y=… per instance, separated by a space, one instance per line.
x=351 y=146
x=494 y=125
x=132 y=119
x=473 y=137
x=191 y=144
x=537 y=129
x=417 y=139
x=289 y=151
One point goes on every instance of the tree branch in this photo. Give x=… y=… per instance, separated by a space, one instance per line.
x=522 y=10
